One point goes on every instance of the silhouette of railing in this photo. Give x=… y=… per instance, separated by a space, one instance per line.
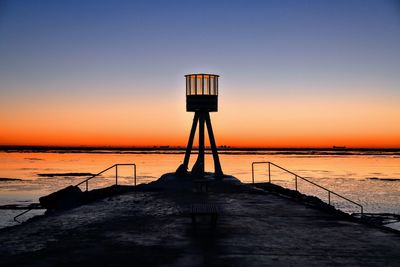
x=296 y=177
x=33 y=206
x=86 y=181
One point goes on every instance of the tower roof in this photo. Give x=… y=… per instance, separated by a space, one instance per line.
x=202 y=74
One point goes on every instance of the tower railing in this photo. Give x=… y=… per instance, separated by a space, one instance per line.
x=296 y=177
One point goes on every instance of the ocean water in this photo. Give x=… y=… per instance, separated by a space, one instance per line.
x=371 y=180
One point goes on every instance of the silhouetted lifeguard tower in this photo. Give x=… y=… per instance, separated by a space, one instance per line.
x=201 y=98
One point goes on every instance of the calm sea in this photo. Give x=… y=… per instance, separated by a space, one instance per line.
x=371 y=180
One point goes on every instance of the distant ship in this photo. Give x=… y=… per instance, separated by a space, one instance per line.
x=161 y=147
x=339 y=147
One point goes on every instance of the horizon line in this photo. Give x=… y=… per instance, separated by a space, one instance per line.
x=167 y=147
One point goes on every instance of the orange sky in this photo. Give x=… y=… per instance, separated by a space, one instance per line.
x=241 y=122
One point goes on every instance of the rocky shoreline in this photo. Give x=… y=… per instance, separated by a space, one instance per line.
x=152 y=227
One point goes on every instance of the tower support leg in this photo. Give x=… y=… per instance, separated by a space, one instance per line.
x=202 y=118
x=217 y=164
x=191 y=138
x=184 y=167
x=198 y=168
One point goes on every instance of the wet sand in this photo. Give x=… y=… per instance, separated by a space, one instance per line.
x=255 y=228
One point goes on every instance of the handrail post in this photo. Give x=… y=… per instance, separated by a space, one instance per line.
x=134 y=167
x=252 y=172
x=295 y=181
x=87 y=185
x=269 y=172
x=329 y=197
x=116 y=174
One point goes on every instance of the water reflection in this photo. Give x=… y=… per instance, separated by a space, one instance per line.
x=348 y=175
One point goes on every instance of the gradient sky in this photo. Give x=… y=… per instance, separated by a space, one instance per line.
x=293 y=73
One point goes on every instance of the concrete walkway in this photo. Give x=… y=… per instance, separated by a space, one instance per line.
x=153 y=228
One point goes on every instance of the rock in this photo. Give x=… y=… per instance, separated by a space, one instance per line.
x=68 y=197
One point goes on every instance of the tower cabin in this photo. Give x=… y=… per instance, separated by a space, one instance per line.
x=201 y=92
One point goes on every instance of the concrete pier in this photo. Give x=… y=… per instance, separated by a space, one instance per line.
x=254 y=228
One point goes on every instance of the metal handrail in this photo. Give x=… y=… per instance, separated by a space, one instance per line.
x=305 y=179
x=22 y=213
x=116 y=174
x=33 y=206
x=93 y=176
